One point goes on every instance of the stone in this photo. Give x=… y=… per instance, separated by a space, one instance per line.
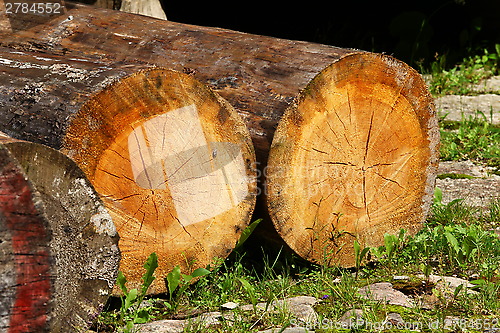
x=207 y=319
x=162 y=326
x=287 y=330
x=449 y=283
x=384 y=291
x=468 y=168
x=174 y=326
x=351 y=318
x=401 y=278
x=395 y=319
x=490 y=85
x=476 y=192
x=300 y=307
x=229 y=305
x=454 y=107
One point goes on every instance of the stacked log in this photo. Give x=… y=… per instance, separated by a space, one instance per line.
x=355 y=155
x=258 y=75
x=171 y=160
x=59 y=251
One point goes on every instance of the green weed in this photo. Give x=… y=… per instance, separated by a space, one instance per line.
x=453 y=242
x=473 y=138
x=460 y=79
x=451 y=213
x=130 y=311
x=177 y=284
x=359 y=255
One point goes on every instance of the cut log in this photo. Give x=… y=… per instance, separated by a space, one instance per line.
x=354 y=158
x=173 y=163
x=170 y=158
x=260 y=76
x=59 y=247
x=151 y=8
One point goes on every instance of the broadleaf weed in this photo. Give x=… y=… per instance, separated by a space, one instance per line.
x=130 y=312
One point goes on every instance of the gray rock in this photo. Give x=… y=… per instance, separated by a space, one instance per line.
x=466 y=168
x=475 y=192
x=230 y=305
x=174 y=326
x=400 y=278
x=162 y=326
x=383 y=291
x=300 y=307
x=449 y=283
x=453 y=107
x=491 y=85
x=288 y=330
x=395 y=319
x=350 y=318
x=478 y=192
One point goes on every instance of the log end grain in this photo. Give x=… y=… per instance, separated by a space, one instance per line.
x=173 y=163
x=354 y=158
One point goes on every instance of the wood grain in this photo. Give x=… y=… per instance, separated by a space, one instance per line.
x=355 y=158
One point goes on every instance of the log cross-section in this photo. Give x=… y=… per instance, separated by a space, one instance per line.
x=262 y=77
x=173 y=164
x=353 y=159
x=171 y=159
x=25 y=269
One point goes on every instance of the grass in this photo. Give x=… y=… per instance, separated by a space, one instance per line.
x=473 y=138
x=461 y=78
x=455 y=241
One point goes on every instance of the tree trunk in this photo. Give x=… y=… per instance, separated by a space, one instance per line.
x=151 y=8
x=59 y=247
x=171 y=159
x=258 y=75
x=355 y=158
x=262 y=77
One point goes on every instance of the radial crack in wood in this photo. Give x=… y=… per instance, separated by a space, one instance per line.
x=354 y=158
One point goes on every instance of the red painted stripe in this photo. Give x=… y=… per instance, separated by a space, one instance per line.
x=30 y=240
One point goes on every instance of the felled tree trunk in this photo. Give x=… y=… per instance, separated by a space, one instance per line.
x=262 y=77
x=144 y=7
x=59 y=248
x=259 y=75
x=356 y=157
x=171 y=159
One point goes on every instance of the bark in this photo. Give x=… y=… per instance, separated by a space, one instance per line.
x=259 y=75
x=59 y=246
x=170 y=158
